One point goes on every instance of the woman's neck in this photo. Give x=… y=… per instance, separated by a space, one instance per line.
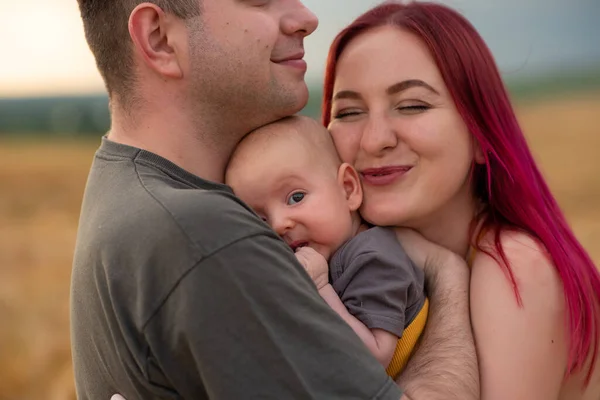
x=450 y=226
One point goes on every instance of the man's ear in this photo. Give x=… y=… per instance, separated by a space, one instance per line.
x=349 y=180
x=158 y=38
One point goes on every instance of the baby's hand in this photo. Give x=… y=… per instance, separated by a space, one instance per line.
x=315 y=264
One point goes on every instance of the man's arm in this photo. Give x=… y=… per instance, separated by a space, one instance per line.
x=443 y=367
x=247 y=322
x=445 y=363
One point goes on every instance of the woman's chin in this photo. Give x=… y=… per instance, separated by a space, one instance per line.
x=381 y=216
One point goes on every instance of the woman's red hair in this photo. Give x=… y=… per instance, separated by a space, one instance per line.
x=509 y=183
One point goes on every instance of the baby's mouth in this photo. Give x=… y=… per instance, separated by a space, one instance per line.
x=297 y=244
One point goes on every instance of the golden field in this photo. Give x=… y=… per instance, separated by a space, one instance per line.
x=41 y=185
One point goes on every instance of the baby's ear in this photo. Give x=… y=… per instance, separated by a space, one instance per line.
x=350 y=182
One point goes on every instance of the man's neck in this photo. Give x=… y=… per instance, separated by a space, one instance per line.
x=201 y=149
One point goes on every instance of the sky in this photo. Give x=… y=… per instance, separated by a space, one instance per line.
x=45 y=53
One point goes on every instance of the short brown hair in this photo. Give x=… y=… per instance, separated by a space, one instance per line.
x=106 y=30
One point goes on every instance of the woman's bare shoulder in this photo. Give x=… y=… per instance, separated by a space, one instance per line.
x=522 y=347
x=528 y=259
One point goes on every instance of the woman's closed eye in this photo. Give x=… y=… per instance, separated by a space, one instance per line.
x=258 y=3
x=346 y=113
x=414 y=108
x=407 y=108
x=295 y=198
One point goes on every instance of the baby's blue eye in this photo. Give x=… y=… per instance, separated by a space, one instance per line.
x=296 y=198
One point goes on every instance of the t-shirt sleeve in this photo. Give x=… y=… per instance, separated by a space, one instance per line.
x=376 y=280
x=247 y=322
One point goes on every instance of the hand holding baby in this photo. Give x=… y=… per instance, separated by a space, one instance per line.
x=315 y=265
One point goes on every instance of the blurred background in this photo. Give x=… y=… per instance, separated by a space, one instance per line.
x=53 y=111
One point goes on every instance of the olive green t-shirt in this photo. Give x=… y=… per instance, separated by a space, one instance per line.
x=179 y=291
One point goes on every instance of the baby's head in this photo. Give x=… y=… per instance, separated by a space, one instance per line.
x=290 y=173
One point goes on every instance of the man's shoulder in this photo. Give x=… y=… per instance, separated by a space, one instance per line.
x=211 y=216
x=131 y=188
x=207 y=204
x=142 y=236
x=197 y=222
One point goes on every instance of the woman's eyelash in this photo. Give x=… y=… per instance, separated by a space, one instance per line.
x=415 y=107
x=345 y=114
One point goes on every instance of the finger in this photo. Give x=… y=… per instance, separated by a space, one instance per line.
x=306 y=250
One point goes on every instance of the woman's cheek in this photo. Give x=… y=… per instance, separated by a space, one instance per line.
x=347 y=144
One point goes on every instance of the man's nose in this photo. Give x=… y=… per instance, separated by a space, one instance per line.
x=299 y=19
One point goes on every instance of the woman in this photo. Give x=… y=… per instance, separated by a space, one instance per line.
x=414 y=101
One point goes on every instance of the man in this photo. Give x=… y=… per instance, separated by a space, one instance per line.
x=178 y=289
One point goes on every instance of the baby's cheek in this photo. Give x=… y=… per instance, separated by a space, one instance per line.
x=339 y=233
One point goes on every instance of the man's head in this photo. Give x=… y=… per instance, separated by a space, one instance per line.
x=290 y=173
x=106 y=25
x=230 y=56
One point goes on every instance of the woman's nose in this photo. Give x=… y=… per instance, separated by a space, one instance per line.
x=378 y=136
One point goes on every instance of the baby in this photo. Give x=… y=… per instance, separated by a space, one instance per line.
x=289 y=172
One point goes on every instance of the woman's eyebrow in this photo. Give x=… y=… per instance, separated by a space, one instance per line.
x=410 y=83
x=347 y=94
x=394 y=89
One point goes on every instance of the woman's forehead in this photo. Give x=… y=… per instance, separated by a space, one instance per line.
x=384 y=58
x=389 y=50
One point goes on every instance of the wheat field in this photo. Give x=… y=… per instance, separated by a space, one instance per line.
x=41 y=186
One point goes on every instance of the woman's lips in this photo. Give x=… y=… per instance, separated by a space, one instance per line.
x=384 y=175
